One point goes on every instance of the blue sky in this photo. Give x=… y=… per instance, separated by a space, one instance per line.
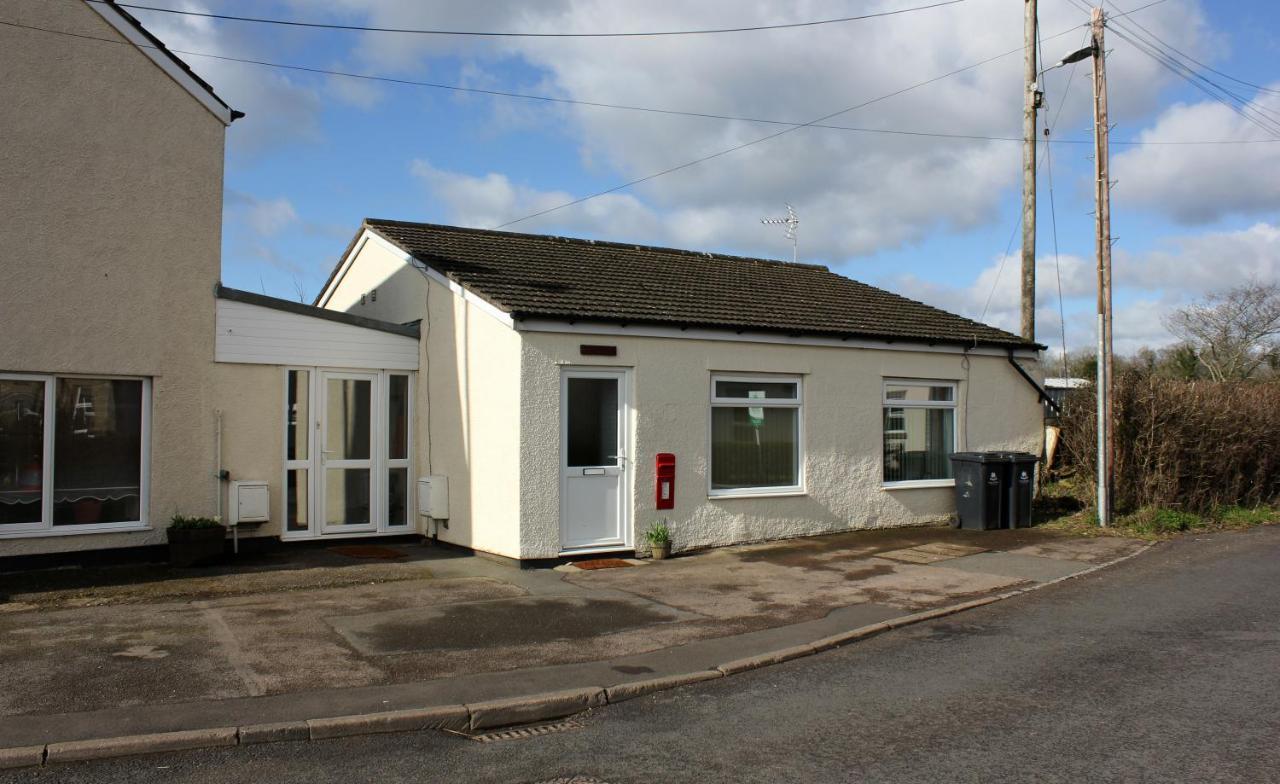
x=927 y=217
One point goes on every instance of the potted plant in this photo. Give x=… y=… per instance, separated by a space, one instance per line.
x=659 y=538
x=195 y=540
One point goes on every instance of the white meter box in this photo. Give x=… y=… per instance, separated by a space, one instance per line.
x=433 y=497
x=250 y=502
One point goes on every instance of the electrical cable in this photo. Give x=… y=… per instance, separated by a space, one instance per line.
x=497 y=34
x=604 y=105
x=761 y=139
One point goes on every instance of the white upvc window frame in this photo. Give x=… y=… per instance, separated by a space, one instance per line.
x=797 y=403
x=45 y=527
x=885 y=403
x=389 y=463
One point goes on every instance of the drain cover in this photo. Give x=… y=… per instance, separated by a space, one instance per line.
x=532 y=731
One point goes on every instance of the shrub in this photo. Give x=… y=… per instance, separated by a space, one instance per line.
x=658 y=534
x=182 y=521
x=1195 y=446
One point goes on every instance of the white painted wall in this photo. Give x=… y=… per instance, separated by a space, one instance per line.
x=254 y=334
x=468 y=393
x=842 y=432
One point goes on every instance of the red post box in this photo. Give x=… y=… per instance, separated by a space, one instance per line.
x=664 y=465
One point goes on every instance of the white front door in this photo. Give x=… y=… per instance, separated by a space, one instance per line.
x=348 y=413
x=593 y=460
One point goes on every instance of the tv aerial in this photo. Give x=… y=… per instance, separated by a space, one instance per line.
x=792 y=222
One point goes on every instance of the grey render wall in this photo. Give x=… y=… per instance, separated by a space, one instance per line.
x=110 y=221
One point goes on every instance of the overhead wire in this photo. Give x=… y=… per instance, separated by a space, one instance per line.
x=759 y=140
x=504 y=34
x=1017 y=224
x=605 y=105
x=1250 y=111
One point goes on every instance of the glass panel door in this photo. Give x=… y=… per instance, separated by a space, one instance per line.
x=348 y=415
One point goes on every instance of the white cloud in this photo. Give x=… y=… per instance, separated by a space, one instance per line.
x=269 y=218
x=1148 y=285
x=1197 y=184
x=278 y=109
x=857 y=192
x=1199 y=263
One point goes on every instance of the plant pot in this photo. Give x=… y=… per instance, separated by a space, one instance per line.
x=661 y=551
x=194 y=546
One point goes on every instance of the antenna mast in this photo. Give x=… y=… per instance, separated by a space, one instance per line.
x=792 y=222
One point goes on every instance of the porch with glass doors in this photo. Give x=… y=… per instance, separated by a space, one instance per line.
x=348 y=441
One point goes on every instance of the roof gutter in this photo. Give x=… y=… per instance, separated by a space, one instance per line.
x=1057 y=409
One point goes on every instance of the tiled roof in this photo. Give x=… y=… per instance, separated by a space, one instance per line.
x=539 y=276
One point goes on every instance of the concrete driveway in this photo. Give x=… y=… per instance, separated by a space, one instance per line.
x=283 y=628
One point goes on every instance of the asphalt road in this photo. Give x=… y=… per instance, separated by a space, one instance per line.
x=1164 y=668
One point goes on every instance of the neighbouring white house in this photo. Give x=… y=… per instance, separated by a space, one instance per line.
x=522 y=395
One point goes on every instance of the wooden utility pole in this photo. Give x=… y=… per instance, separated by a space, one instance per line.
x=1030 y=103
x=1102 y=190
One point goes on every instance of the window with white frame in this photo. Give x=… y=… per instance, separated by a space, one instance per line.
x=72 y=453
x=919 y=430
x=755 y=434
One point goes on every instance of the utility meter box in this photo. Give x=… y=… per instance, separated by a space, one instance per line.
x=433 y=497
x=250 y=502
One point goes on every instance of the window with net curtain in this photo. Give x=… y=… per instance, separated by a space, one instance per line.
x=919 y=430
x=755 y=434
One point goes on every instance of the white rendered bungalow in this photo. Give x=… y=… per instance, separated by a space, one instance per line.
x=555 y=375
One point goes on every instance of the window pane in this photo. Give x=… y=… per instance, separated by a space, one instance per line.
x=918 y=443
x=593 y=422
x=296 y=517
x=97 y=454
x=397 y=496
x=348 y=418
x=298 y=415
x=21 y=451
x=755 y=390
x=754 y=447
x=347 y=496
x=398 y=417
x=920 y=393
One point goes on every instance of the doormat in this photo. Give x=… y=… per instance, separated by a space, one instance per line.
x=601 y=563
x=369 y=551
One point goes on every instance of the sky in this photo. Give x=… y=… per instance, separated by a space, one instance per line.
x=935 y=219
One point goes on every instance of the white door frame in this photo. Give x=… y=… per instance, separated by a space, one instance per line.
x=314 y=466
x=370 y=463
x=625 y=438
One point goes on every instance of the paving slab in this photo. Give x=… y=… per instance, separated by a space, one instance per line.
x=1026 y=567
x=915 y=555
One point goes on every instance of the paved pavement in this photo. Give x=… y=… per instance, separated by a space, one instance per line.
x=261 y=644
x=1161 y=669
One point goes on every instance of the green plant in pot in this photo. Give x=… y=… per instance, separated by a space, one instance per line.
x=659 y=538
x=195 y=540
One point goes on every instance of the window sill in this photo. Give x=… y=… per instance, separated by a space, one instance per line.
x=918 y=483
x=76 y=530
x=780 y=492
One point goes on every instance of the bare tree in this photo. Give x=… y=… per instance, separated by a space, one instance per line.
x=1233 y=332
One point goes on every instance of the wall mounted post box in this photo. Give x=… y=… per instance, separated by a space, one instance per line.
x=664 y=465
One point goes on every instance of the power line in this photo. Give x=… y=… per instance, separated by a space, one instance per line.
x=498 y=34
x=760 y=140
x=1252 y=113
x=1205 y=66
x=605 y=105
